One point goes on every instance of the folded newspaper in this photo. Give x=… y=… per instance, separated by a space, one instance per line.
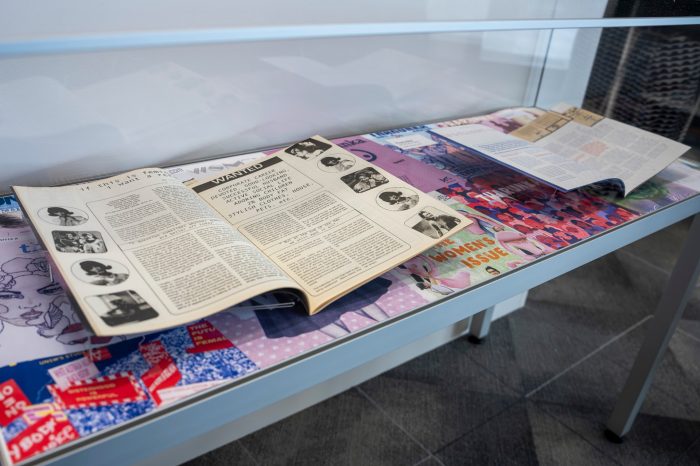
x=141 y=251
x=568 y=147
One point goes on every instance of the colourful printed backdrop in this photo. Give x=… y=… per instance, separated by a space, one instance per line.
x=516 y=220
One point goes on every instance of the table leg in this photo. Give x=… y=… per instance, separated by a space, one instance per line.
x=479 y=328
x=668 y=312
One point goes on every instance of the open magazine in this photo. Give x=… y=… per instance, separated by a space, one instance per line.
x=141 y=251
x=568 y=148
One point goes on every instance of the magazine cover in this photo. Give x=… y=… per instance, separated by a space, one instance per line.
x=553 y=218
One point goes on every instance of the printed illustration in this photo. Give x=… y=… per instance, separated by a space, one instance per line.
x=11 y=220
x=63 y=216
x=125 y=380
x=84 y=242
x=541 y=213
x=364 y=180
x=8 y=203
x=102 y=273
x=308 y=148
x=121 y=308
x=474 y=254
x=413 y=172
x=397 y=199
x=427 y=276
x=511 y=240
x=432 y=222
x=333 y=164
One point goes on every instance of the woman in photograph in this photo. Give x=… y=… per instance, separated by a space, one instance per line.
x=101 y=273
x=69 y=242
x=398 y=201
x=65 y=217
x=308 y=148
x=337 y=163
x=91 y=244
x=437 y=225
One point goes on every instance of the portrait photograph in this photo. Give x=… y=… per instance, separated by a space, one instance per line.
x=433 y=222
x=63 y=216
x=397 y=199
x=101 y=272
x=335 y=164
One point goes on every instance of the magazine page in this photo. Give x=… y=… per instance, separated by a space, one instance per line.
x=140 y=252
x=331 y=220
x=569 y=147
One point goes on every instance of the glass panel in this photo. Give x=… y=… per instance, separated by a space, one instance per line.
x=67 y=117
x=649 y=78
x=25 y=19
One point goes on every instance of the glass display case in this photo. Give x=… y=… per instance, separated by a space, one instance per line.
x=92 y=89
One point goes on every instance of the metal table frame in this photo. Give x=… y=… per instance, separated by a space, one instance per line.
x=221 y=415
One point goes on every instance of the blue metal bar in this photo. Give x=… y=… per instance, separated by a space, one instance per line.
x=172 y=38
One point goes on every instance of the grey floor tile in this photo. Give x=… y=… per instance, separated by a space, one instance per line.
x=679 y=373
x=439 y=396
x=598 y=301
x=346 y=429
x=662 y=248
x=522 y=435
x=584 y=397
x=690 y=327
x=429 y=461
x=691 y=457
x=690 y=322
x=229 y=454
x=524 y=350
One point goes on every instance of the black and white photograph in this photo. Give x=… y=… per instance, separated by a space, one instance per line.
x=397 y=199
x=82 y=242
x=63 y=216
x=364 y=180
x=309 y=148
x=101 y=272
x=432 y=222
x=121 y=308
x=335 y=164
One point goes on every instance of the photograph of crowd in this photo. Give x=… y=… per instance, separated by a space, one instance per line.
x=364 y=180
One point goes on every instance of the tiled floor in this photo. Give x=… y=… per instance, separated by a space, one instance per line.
x=537 y=391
